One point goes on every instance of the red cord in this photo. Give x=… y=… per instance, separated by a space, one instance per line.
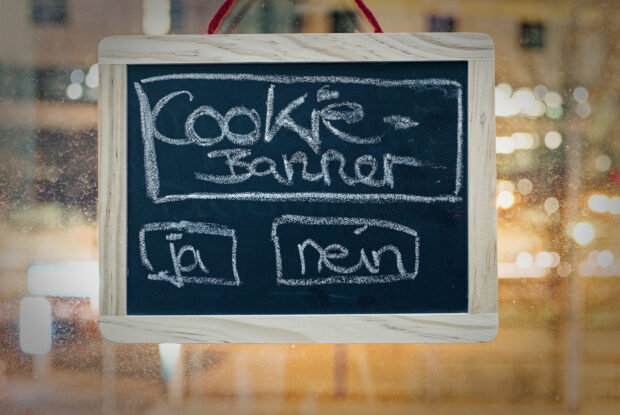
x=369 y=16
x=220 y=14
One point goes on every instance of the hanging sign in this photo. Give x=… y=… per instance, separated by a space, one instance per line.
x=297 y=188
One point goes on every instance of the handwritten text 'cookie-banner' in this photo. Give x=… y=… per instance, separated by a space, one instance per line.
x=306 y=141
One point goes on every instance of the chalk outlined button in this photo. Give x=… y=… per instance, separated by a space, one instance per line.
x=371 y=261
x=199 y=270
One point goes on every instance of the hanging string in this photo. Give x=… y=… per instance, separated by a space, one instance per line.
x=220 y=14
x=369 y=16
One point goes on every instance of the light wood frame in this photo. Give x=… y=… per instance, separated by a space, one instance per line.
x=479 y=324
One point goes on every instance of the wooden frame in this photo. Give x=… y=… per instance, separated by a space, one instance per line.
x=480 y=323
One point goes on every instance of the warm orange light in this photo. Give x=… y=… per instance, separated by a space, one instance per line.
x=505 y=199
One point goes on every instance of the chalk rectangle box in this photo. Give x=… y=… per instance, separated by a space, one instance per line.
x=479 y=323
x=372 y=88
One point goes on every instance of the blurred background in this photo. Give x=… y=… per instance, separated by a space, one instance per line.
x=558 y=207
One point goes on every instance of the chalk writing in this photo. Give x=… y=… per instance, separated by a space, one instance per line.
x=330 y=265
x=186 y=263
x=231 y=157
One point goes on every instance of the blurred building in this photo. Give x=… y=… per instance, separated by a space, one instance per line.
x=557 y=106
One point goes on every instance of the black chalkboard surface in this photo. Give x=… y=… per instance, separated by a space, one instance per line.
x=297 y=188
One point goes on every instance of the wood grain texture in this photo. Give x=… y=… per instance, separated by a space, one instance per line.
x=351 y=328
x=481 y=189
x=479 y=324
x=112 y=203
x=336 y=47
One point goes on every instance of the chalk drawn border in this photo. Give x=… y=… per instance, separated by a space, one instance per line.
x=202 y=228
x=150 y=157
x=341 y=279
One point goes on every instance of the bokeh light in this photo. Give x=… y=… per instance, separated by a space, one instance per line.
x=505 y=199
x=525 y=186
x=553 y=140
x=75 y=91
x=504 y=145
x=544 y=259
x=583 y=110
x=602 y=162
x=525 y=260
x=605 y=258
x=598 y=203
x=551 y=205
x=77 y=76
x=583 y=233
x=614 y=205
x=553 y=100
x=580 y=94
x=92 y=78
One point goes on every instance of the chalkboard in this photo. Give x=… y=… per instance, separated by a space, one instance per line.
x=297 y=188
x=242 y=176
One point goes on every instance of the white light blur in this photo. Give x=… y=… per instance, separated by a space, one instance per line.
x=614 y=205
x=505 y=88
x=551 y=205
x=501 y=94
x=75 y=91
x=553 y=140
x=505 y=200
x=602 y=163
x=524 y=141
x=583 y=233
x=522 y=101
x=536 y=109
x=64 y=279
x=525 y=186
x=583 y=110
x=555 y=259
x=544 y=259
x=156 y=17
x=512 y=270
x=527 y=103
x=580 y=94
x=77 y=76
x=605 y=258
x=505 y=107
x=504 y=145
x=599 y=203
x=35 y=325
x=553 y=99
x=524 y=260
x=505 y=185
x=525 y=97
x=169 y=354
x=92 y=78
x=611 y=271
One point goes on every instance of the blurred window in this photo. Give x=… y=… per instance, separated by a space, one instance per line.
x=532 y=35
x=343 y=21
x=437 y=23
x=177 y=15
x=49 y=11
